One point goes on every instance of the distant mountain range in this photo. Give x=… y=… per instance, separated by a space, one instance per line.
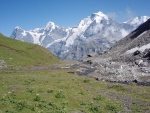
x=136 y=41
x=93 y=35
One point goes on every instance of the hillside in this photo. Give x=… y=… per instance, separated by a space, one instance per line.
x=14 y=53
x=128 y=60
x=60 y=90
x=136 y=38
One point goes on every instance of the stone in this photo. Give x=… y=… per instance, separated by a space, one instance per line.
x=136 y=53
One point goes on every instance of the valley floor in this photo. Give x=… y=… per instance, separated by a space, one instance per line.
x=58 y=89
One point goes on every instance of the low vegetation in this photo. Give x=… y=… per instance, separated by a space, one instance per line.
x=57 y=90
x=17 y=54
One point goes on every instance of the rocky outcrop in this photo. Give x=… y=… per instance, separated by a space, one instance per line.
x=2 y=64
x=126 y=62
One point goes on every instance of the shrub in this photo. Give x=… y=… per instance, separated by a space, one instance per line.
x=83 y=103
x=94 y=108
x=98 y=97
x=60 y=95
x=81 y=92
x=9 y=111
x=37 y=98
x=50 y=91
x=21 y=105
x=117 y=87
x=86 y=81
x=111 y=108
x=29 y=81
x=29 y=90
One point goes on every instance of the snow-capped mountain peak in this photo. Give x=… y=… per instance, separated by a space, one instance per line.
x=94 y=33
x=137 y=20
x=85 y=22
x=36 y=30
x=50 y=25
x=99 y=16
x=17 y=28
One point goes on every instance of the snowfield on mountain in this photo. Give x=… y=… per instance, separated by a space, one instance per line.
x=93 y=35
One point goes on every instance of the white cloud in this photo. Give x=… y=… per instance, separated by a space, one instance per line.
x=112 y=15
x=123 y=15
x=129 y=13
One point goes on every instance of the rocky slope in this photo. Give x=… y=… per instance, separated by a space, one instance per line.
x=128 y=60
x=93 y=34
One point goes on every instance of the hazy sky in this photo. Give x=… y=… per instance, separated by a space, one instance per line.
x=30 y=14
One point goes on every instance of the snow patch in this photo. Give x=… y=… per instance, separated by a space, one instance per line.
x=83 y=25
x=36 y=37
x=58 y=40
x=24 y=33
x=124 y=33
x=147 y=46
x=142 y=34
x=142 y=49
x=132 y=50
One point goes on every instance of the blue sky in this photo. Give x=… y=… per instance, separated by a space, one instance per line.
x=30 y=14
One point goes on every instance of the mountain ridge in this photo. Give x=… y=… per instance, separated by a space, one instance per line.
x=73 y=43
x=134 y=35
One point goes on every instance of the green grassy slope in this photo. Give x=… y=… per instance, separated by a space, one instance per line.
x=21 y=54
x=57 y=91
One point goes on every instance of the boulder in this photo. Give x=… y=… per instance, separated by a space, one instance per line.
x=147 y=55
x=89 y=62
x=138 y=62
x=89 y=55
x=136 y=53
x=135 y=81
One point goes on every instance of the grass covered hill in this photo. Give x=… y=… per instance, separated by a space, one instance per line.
x=21 y=54
x=59 y=90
